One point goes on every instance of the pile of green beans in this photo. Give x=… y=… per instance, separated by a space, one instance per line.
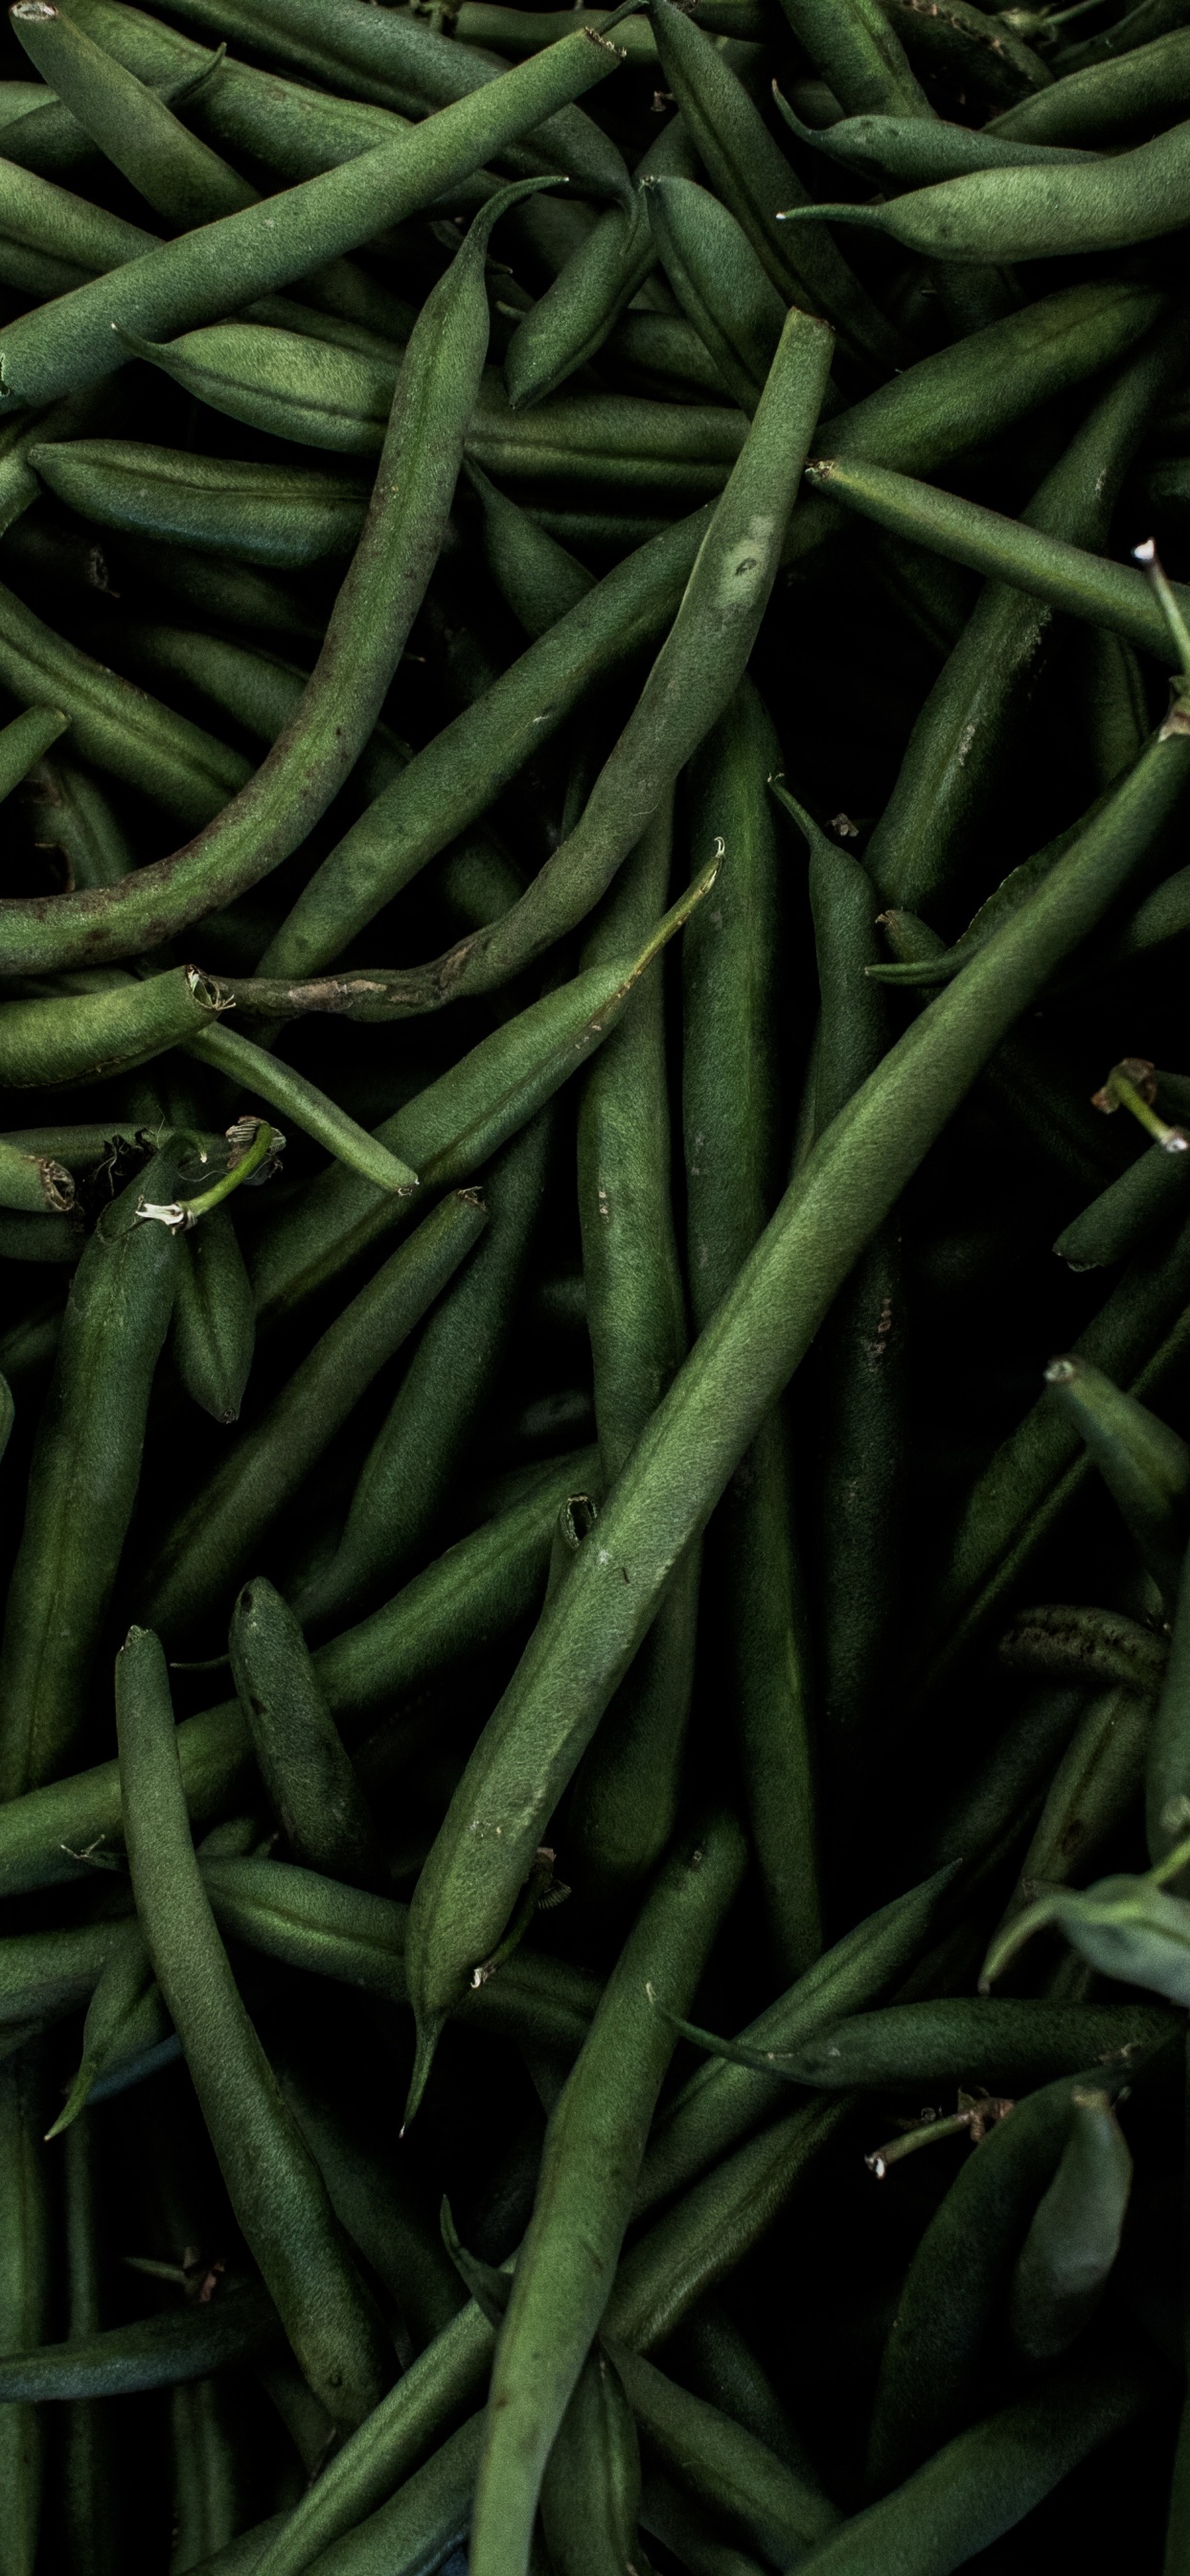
x=594 y=1287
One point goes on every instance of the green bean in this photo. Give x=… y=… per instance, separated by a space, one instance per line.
x=123 y=731
x=935 y=409
x=928 y=2374
x=590 y=2493
x=255 y=690
x=284 y=1088
x=1127 y=1214
x=1145 y=1464
x=217 y=1535
x=1141 y=86
x=210 y=2481
x=731 y=1115
x=177 y=175
x=326 y=1929
x=24 y=740
x=958 y=43
x=669 y=2516
x=1006 y=2043
x=126 y=2016
x=1132 y=197
x=863 y=1347
x=307 y=1773
x=694 y=1440
x=754 y=180
x=1073 y=1642
x=971 y=714
x=594 y=2143
x=45 y=1975
x=984 y=2483
x=406 y=66
x=400 y=1491
x=463 y=1607
x=89 y=1036
x=1048 y=566
x=52 y=242
x=521 y=31
x=1132 y=1929
x=250 y=253
x=913 y=151
x=284 y=515
x=1138 y=1335
x=26 y=2284
x=710 y=2355
x=424 y=2521
x=34 y=1182
x=721 y=2105
x=539 y=578
x=700 y=2240
x=83 y=1483
x=162 y=2351
x=88 y=2468
x=625 y=1798
x=777 y=2513
x=719 y=282
x=571 y=321
x=377 y=2205
x=463 y=1117
x=1095 y=1787
x=689 y=685
x=283 y=382
x=1167 y=1781
x=275 y=2189
x=213 y=1333
x=1062 y=2269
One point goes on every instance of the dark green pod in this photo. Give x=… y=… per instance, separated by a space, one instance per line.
x=301 y=1757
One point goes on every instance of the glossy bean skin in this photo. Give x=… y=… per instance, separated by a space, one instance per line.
x=830 y=1212
x=1063 y=2266
x=732 y=1122
x=276 y=2191
x=985 y=2481
x=1145 y=1464
x=777 y=2512
x=1036 y=214
x=302 y=1760
x=407 y=1476
x=83 y=1484
x=590 y=2493
x=598 y=2130
x=214 y=1538
x=625 y=1797
x=286 y=516
x=481 y=1591
x=25 y=2301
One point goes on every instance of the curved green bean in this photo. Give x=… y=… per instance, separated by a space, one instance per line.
x=176 y=174
x=300 y=1755
x=285 y=515
x=1145 y=1464
x=1062 y=2269
x=1032 y=213
x=276 y=2191
x=593 y=2148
